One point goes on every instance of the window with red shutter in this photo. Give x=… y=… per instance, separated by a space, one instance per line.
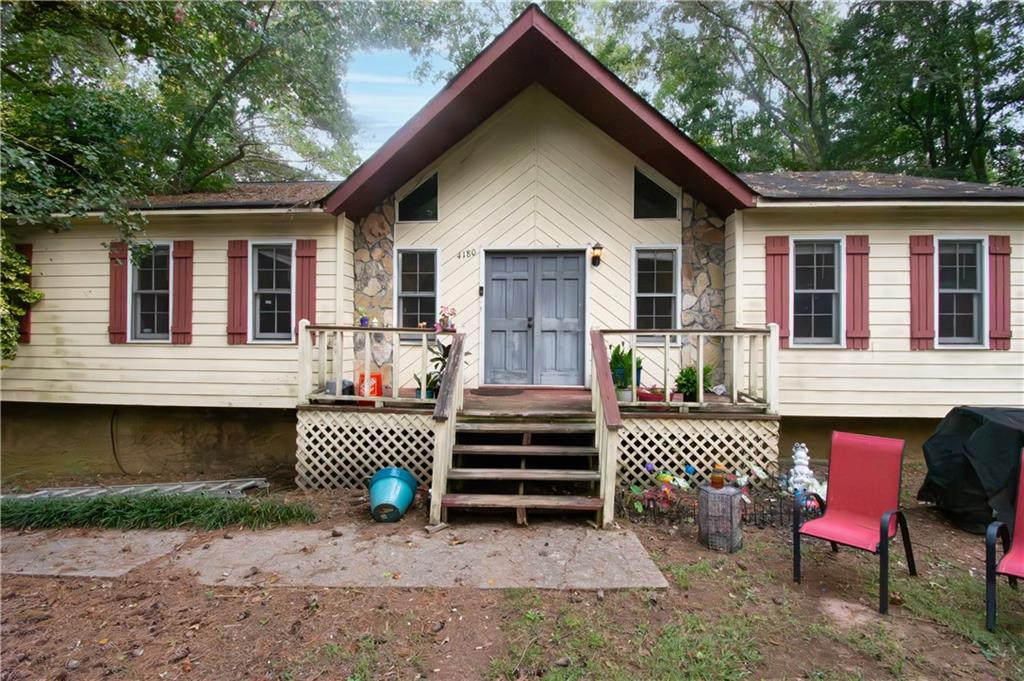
x=776 y=274
x=999 y=292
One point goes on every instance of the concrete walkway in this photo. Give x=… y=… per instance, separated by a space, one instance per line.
x=481 y=556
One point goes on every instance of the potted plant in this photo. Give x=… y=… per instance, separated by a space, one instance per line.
x=433 y=383
x=621 y=364
x=686 y=383
x=362 y=318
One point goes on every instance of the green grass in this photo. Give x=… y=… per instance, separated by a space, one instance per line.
x=152 y=511
x=702 y=648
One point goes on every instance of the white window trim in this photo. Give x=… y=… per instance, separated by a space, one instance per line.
x=250 y=294
x=396 y=268
x=981 y=239
x=840 y=239
x=658 y=179
x=426 y=176
x=170 y=298
x=677 y=283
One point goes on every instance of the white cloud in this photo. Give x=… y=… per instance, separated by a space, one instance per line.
x=377 y=79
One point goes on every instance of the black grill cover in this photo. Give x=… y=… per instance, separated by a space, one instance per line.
x=973 y=462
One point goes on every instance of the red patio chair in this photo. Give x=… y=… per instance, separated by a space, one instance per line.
x=862 y=508
x=1012 y=563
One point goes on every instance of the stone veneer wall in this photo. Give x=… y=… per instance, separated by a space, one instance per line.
x=703 y=275
x=374 y=262
x=703 y=304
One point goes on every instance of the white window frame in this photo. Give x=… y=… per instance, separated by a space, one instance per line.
x=982 y=241
x=677 y=250
x=426 y=177
x=406 y=339
x=170 y=297
x=659 y=180
x=840 y=241
x=251 y=294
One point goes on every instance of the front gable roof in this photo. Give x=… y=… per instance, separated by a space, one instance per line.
x=535 y=49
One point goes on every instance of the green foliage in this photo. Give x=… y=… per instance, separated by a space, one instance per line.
x=621 y=363
x=15 y=296
x=686 y=381
x=153 y=511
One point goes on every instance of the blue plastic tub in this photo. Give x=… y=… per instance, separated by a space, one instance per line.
x=391 y=492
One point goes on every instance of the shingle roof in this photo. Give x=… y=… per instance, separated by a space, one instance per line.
x=247 y=195
x=856 y=185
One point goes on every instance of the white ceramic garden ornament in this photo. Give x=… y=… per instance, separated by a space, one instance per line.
x=801 y=477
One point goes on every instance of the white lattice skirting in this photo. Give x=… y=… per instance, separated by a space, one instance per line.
x=343 y=449
x=670 y=444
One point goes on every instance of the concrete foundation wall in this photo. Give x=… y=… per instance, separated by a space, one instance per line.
x=816 y=433
x=47 y=442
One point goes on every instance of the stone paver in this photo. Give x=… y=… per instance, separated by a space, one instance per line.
x=100 y=554
x=476 y=556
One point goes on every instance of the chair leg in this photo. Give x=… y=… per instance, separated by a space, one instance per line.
x=992 y=534
x=883 y=577
x=905 y=533
x=796 y=542
x=835 y=547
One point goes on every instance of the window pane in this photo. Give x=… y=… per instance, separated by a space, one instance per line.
x=650 y=200
x=802 y=326
x=947 y=277
x=409 y=261
x=968 y=277
x=804 y=278
x=644 y=305
x=265 y=279
x=264 y=259
x=163 y=322
x=826 y=277
x=823 y=303
x=946 y=303
x=282 y=279
x=663 y=306
x=408 y=282
x=284 y=320
x=964 y=326
x=645 y=282
x=946 y=325
x=426 y=283
x=823 y=327
x=426 y=261
x=663 y=282
x=266 y=322
x=802 y=303
x=421 y=203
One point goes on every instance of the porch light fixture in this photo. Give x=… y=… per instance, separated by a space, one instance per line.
x=596 y=251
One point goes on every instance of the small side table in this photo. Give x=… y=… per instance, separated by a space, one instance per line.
x=719 y=513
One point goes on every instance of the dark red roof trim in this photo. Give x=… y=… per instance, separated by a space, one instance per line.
x=534 y=49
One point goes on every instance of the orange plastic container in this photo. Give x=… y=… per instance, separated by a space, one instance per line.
x=376 y=387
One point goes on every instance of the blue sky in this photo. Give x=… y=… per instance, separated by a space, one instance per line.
x=384 y=94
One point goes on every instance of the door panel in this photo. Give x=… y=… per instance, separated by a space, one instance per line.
x=508 y=318
x=534 y=322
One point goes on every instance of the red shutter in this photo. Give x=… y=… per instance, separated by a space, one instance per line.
x=776 y=273
x=181 y=314
x=305 y=281
x=922 y=292
x=118 y=302
x=238 y=292
x=25 y=323
x=999 y=292
x=857 y=325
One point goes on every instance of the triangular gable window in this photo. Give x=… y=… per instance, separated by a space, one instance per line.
x=420 y=205
x=650 y=200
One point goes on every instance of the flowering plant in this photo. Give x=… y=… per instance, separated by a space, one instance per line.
x=446 y=320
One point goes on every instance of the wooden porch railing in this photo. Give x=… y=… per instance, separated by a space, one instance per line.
x=750 y=359
x=608 y=421
x=449 y=402
x=326 y=351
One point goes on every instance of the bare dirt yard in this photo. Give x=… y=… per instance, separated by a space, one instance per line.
x=722 y=617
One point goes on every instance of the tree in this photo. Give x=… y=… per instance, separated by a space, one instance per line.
x=933 y=88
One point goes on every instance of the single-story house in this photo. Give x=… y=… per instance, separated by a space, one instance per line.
x=558 y=213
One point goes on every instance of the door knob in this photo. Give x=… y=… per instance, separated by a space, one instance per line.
x=529 y=322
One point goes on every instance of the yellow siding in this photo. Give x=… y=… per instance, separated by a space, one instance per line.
x=887 y=380
x=70 y=359
x=535 y=175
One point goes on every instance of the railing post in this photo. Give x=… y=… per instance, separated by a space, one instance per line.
x=634 y=351
x=700 y=370
x=664 y=361
x=734 y=388
x=771 y=374
x=338 y=362
x=305 y=363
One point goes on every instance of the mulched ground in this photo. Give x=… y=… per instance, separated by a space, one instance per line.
x=725 y=616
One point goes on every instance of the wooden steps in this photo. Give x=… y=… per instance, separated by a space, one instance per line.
x=535 y=501
x=532 y=474
x=525 y=450
x=522 y=426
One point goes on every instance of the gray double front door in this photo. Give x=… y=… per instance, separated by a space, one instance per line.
x=534 y=318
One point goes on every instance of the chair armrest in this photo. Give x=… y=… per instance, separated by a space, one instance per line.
x=883 y=527
x=996 y=530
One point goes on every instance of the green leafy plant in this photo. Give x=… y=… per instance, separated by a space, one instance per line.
x=16 y=296
x=686 y=381
x=621 y=363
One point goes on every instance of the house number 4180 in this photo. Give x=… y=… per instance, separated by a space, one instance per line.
x=467 y=253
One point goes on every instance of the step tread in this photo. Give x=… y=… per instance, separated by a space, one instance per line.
x=523 y=427
x=564 y=502
x=525 y=450
x=522 y=474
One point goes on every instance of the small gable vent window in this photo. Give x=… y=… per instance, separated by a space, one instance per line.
x=650 y=199
x=420 y=205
